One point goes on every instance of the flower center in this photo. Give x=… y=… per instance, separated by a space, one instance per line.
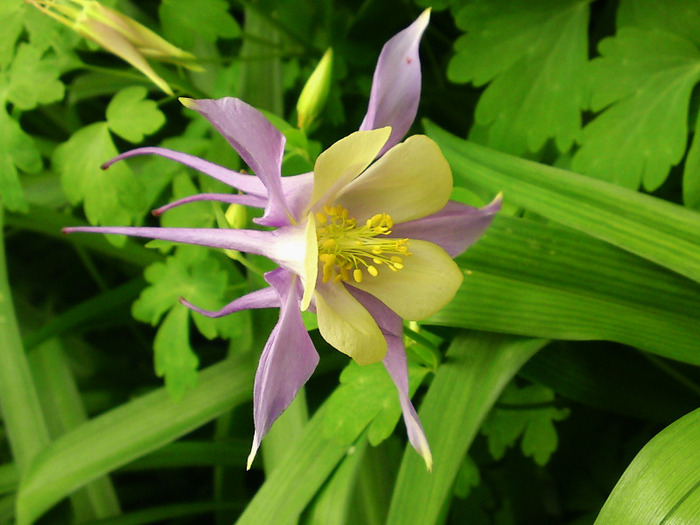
x=347 y=249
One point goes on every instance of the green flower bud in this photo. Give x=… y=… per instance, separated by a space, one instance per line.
x=118 y=34
x=315 y=93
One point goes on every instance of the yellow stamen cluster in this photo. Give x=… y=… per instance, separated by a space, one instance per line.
x=346 y=249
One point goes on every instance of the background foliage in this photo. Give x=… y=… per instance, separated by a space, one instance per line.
x=560 y=386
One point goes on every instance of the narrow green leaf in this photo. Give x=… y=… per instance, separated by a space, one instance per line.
x=649 y=227
x=661 y=484
x=8 y=478
x=64 y=411
x=168 y=512
x=261 y=82
x=82 y=314
x=375 y=483
x=297 y=478
x=125 y=433
x=19 y=402
x=612 y=378
x=333 y=504
x=543 y=280
x=7 y=509
x=286 y=431
x=229 y=453
x=691 y=172
x=46 y=221
x=476 y=369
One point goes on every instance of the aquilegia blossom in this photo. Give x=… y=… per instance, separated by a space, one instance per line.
x=365 y=240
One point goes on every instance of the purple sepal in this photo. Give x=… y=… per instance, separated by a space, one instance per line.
x=230 y=198
x=257 y=141
x=391 y=326
x=287 y=361
x=397 y=83
x=263 y=298
x=247 y=183
x=454 y=228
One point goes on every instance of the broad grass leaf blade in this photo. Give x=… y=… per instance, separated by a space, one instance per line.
x=333 y=504
x=476 y=369
x=64 y=411
x=19 y=402
x=128 y=432
x=544 y=280
x=662 y=483
x=615 y=379
x=297 y=478
x=654 y=229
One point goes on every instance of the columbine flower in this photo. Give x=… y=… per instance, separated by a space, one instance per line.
x=364 y=243
x=118 y=34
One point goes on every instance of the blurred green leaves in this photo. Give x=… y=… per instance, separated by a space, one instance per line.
x=208 y=19
x=33 y=79
x=17 y=150
x=528 y=412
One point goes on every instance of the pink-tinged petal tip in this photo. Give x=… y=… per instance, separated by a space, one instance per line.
x=396 y=85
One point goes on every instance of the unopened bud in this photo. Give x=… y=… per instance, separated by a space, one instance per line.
x=118 y=34
x=315 y=93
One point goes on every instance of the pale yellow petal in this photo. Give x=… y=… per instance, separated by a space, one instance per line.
x=308 y=279
x=344 y=161
x=410 y=181
x=347 y=325
x=428 y=281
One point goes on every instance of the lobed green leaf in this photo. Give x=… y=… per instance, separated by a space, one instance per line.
x=528 y=412
x=110 y=197
x=534 y=55
x=208 y=19
x=33 y=79
x=646 y=77
x=131 y=115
